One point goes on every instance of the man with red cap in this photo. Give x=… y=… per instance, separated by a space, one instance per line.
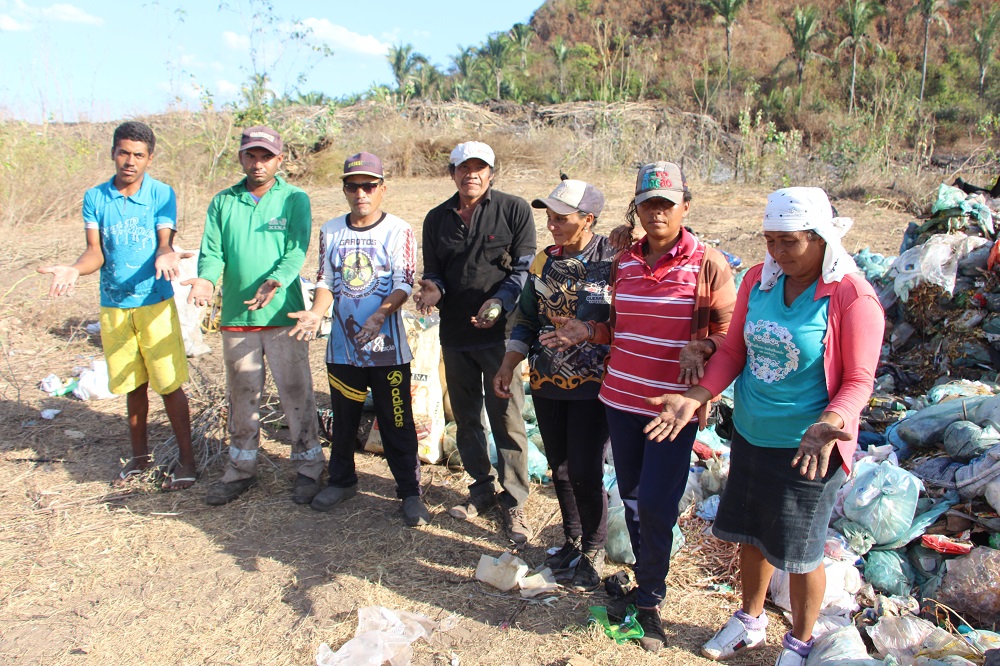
x=256 y=236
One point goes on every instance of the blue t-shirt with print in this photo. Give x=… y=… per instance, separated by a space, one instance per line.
x=782 y=389
x=128 y=228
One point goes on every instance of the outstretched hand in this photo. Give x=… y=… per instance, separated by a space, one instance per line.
x=306 y=325
x=568 y=332
x=813 y=456
x=63 y=279
x=168 y=264
x=428 y=296
x=201 y=291
x=263 y=296
x=675 y=413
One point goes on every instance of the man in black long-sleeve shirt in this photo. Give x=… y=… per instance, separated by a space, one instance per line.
x=477 y=248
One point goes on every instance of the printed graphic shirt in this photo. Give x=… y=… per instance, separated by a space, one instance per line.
x=782 y=389
x=248 y=242
x=576 y=286
x=128 y=228
x=361 y=267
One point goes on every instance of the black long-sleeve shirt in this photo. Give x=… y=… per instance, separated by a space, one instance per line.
x=488 y=258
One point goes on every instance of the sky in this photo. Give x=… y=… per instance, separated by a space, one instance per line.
x=104 y=60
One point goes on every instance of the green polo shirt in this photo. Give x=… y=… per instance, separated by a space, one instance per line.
x=248 y=242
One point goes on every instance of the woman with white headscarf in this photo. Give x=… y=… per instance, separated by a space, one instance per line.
x=802 y=346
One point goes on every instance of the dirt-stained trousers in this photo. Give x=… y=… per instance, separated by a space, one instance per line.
x=243 y=353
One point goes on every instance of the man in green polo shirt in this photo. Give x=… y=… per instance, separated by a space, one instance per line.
x=256 y=236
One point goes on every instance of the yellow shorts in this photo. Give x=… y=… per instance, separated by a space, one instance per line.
x=142 y=345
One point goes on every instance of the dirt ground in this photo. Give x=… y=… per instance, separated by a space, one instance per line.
x=91 y=575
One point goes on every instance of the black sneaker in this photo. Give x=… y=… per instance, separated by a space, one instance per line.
x=652 y=626
x=565 y=557
x=589 y=570
x=331 y=496
x=516 y=523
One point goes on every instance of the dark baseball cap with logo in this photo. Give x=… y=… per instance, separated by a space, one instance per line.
x=660 y=179
x=261 y=137
x=363 y=164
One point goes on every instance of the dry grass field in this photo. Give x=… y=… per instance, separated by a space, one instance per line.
x=95 y=575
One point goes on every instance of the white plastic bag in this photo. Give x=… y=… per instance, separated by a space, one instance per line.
x=842 y=583
x=93 y=384
x=839 y=646
x=188 y=313
x=382 y=636
x=883 y=500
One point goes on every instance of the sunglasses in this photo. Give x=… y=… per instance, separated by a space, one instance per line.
x=352 y=188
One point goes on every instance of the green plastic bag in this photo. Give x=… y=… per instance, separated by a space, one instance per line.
x=629 y=629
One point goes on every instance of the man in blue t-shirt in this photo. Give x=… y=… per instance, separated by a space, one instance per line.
x=130 y=222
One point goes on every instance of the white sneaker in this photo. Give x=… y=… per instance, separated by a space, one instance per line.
x=733 y=637
x=790 y=658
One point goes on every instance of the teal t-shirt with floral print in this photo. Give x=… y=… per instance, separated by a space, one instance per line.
x=782 y=389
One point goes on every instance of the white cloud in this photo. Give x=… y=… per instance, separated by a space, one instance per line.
x=23 y=15
x=9 y=24
x=67 y=13
x=236 y=42
x=226 y=88
x=341 y=39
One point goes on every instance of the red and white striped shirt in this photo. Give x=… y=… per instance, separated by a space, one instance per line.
x=653 y=311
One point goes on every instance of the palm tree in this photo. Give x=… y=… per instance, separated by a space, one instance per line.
x=804 y=31
x=560 y=52
x=522 y=34
x=496 y=53
x=985 y=40
x=858 y=17
x=931 y=11
x=404 y=61
x=727 y=11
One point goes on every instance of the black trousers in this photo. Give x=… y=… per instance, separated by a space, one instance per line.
x=575 y=433
x=470 y=385
x=390 y=385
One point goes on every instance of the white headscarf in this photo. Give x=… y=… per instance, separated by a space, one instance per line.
x=807 y=209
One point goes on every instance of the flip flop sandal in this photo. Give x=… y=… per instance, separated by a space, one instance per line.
x=124 y=476
x=170 y=480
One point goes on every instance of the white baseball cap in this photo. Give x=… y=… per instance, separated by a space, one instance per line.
x=472 y=150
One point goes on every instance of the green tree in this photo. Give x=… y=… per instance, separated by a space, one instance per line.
x=522 y=34
x=496 y=54
x=931 y=11
x=726 y=10
x=804 y=29
x=466 y=67
x=560 y=52
x=985 y=40
x=404 y=62
x=858 y=16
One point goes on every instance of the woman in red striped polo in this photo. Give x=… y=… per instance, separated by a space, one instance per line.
x=672 y=300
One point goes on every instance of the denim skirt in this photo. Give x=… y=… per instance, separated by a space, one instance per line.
x=768 y=504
